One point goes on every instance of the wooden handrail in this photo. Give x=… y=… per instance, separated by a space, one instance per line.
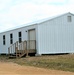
x=31 y=44
x=25 y=46
x=12 y=47
x=9 y=51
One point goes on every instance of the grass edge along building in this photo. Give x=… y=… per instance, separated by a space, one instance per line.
x=49 y=36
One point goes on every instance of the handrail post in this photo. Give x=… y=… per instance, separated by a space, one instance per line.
x=16 y=51
x=23 y=47
x=27 y=48
x=16 y=45
x=16 y=48
x=35 y=44
x=9 y=51
x=27 y=53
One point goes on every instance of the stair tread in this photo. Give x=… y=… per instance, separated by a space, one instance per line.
x=12 y=57
x=22 y=55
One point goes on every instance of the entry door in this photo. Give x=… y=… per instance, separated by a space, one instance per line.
x=32 y=39
x=32 y=34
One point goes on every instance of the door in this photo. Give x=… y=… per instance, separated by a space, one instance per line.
x=32 y=34
x=32 y=39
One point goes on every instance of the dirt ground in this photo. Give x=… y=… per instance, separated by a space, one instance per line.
x=7 y=68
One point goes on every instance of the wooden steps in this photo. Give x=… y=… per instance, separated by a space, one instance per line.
x=18 y=53
x=22 y=49
x=21 y=53
x=12 y=57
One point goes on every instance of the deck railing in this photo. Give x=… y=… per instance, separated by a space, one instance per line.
x=23 y=47
x=12 y=48
x=31 y=44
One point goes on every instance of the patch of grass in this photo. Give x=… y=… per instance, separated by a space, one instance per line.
x=57 y=62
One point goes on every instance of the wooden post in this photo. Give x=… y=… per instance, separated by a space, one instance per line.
x=26 y=49
x=17 y=43
x=35 y=44
x=16 y=51
x=26 y=53
x=23 y=47
x=9 y=51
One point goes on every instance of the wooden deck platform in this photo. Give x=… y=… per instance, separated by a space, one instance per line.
x=23 y=48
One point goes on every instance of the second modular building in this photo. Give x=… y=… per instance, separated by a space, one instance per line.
x=55 y=35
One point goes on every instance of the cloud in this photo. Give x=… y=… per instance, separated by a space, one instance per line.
x=17 y=12
x=4 y=4
x=48 y=1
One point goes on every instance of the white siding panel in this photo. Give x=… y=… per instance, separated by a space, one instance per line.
x=24 y=30
x=56 y=36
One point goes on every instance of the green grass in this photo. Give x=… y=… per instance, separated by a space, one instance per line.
x=57 y=62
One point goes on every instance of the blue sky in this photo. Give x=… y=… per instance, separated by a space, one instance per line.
x=14 y=13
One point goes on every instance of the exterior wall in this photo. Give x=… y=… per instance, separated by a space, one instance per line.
x=56 y=36
x=52 y=36
x=4 y=48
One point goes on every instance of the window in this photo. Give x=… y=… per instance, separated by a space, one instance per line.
x=20 y=37
x=11 y=38
x=3 y=39
x=69 y=18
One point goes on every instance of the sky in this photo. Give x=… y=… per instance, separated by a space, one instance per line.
x=15 y=13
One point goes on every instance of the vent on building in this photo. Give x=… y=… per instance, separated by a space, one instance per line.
x=69 y=18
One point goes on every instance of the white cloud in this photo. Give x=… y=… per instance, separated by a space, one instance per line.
x=48 y=1
x=4 y=4
x=18 y=12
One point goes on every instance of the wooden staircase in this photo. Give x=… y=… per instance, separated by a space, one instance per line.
x=22 y=49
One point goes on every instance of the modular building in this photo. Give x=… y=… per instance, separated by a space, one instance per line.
x=52 y=36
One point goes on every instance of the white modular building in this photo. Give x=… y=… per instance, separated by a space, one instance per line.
x=53 y=35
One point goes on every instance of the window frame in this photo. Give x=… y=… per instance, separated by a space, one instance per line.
x=69 y=18
x=11 y=38
x=4 y=38
x=20 y=36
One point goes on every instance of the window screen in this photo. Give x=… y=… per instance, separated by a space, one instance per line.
x=3 y=39
x=11 y=38
x=20 y=37
x=69 y=18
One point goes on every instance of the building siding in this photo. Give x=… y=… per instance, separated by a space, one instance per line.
x=52 y=36
x=56 y=36
x=4 y=48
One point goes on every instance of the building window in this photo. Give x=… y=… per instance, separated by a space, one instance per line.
x=20 y=37
x=11 y=38
x=3 y=39
x=69 y=18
